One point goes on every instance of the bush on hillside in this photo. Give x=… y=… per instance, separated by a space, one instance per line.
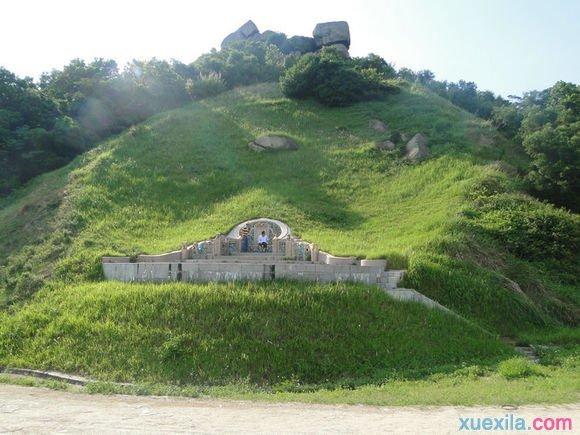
x=207 y=86
x=517 y=367
x=243 y=63
x=333 y=79
x=528 y=228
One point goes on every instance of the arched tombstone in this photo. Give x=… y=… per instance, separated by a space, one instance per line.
x=247 y=235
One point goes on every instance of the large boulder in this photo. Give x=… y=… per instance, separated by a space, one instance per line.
x=272 y=142
x=300 y=44
x=335 y=32
x=378 y=125
x=416 y=148
x=248 y=31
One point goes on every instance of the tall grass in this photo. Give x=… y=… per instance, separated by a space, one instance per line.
x=262 y=333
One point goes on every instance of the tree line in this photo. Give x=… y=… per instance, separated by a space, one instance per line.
x=545 y=123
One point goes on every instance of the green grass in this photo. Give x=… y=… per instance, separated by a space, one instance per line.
x=471 y=385
x=187 y=174
x=262 y=333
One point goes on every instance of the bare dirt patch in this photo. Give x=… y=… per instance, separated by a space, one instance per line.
x=32 y=409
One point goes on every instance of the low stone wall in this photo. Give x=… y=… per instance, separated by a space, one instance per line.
x=200 y=271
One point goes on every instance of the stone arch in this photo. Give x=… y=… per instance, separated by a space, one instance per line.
x=247 y=233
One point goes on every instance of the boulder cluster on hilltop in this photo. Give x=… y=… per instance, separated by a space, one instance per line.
x=335 y=34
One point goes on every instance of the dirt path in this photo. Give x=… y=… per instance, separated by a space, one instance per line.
x=30 y=409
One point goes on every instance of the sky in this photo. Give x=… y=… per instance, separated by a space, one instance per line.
x=506 y=46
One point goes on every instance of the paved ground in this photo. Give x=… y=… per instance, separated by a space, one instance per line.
x=29 y=409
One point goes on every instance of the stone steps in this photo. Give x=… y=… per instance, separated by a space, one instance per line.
x=529 y=352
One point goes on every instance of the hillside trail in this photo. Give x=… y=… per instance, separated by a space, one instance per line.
x=32 y=409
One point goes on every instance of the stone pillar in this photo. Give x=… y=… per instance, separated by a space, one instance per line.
x=216 y=247
x=275 y=246
x=314 y=252
x=289 y=248
x=184 y=252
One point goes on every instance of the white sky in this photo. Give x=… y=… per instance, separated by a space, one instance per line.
x=508 y=46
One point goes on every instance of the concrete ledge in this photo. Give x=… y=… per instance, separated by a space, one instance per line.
x=381 y=264
x=107 y=260
x=406 y=294
x=327 y=258
x=170 y=256
x=55 y=376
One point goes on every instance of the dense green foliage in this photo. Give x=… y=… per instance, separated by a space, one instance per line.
x=551 y=136
x=529 y=229
x=220 y=333
x=43 y=126
x=517 y=367
x=463 y=94
x=335 y=80
x=243 y=63
x=207 y=86
x=34 y=136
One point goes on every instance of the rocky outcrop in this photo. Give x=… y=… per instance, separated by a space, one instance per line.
x=248 y=31
x=332 y=34
x=379 y=126
x=271 y=143
x=335 y=32
x=385 y=145
x=416 y=148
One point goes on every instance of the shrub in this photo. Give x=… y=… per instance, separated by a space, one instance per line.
x=332 y=79
x=207 y=86
x=517 y=367
x=490 y=184
x=530 y=229
x=243 y=63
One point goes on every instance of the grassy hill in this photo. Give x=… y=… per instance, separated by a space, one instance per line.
x=259 y=333
x=188 y=174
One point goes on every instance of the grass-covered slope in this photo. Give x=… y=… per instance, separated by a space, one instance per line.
x=220 y=333
x=188 y=174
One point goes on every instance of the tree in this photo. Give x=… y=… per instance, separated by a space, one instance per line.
x=551 y=137
x=377 y=63
x=333 y=79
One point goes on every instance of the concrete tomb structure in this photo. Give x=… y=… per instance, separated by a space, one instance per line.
x=238 y=255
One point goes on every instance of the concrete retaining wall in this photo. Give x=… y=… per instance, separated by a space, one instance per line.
x=212 y=270
x=227 y=271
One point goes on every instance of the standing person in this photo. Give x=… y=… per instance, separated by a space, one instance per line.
x=263 y=241
x=244 y=232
